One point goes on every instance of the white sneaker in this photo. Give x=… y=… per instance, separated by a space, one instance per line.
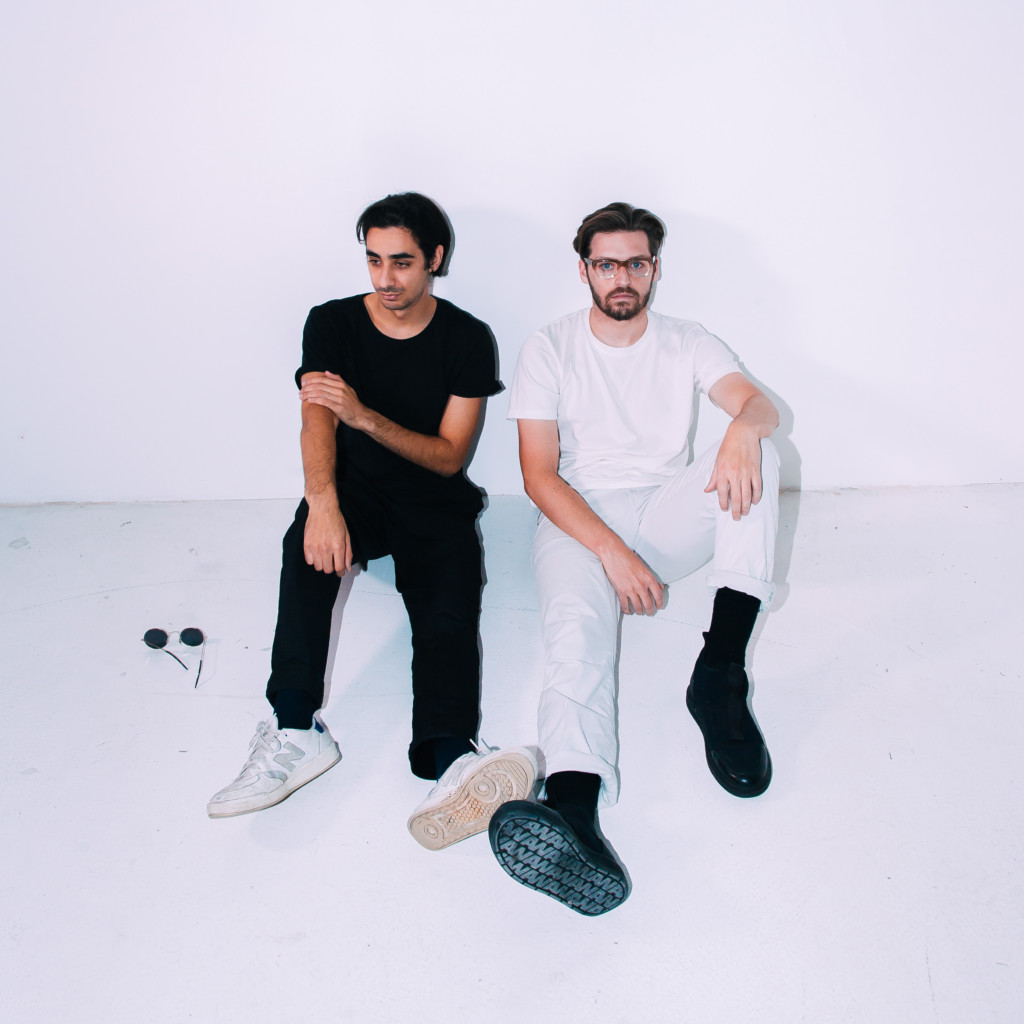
x=469 y=792
x=280 y=761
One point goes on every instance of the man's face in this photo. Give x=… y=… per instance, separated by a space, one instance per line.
x=620 y=297
x=399 y=271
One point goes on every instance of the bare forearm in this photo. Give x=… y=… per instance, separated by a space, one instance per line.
x=569 y=511
x=635 y=585
x=443 y=453
x=319 y=454
x=437 y=454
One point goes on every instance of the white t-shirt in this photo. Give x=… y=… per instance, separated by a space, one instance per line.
x=623 y=414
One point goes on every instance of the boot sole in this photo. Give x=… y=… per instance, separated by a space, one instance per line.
x=470 y=808
x=539 y=850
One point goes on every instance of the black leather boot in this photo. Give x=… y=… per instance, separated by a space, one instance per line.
x=733 y=744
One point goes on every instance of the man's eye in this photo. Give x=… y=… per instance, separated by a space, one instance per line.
x=401 y=266
x=636 y=264
x=605 y=266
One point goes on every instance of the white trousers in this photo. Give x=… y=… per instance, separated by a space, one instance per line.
x=675 y=528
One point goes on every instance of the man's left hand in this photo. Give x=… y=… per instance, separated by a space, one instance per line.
x=737 y=472
x=332 y=392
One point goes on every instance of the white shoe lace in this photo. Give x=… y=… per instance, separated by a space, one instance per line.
x=262 y=747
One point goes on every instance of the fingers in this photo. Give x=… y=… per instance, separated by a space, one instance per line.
x=346 y=559
x=323 y=387
x=643 y=598
x=328 y=554
x=736 y=493
x=321 y=558
x=721 y=485
x=756 y=489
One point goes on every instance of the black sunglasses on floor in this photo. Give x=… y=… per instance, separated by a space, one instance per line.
x=190 y=637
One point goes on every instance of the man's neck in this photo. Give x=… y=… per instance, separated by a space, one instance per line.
x=400 y=323
x=617 y=333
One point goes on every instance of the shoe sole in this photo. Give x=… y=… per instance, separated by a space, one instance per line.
x=306 y=773
x=723 y=780
x=538 y=849
x=470 y=808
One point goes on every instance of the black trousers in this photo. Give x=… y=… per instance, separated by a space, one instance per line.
x=438 y=572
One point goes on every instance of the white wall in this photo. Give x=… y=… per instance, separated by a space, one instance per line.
x=841 y=183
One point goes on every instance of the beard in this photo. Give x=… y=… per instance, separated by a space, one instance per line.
x=621 y=310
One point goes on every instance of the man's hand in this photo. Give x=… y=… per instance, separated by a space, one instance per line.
x=638 y=589
x=332 y=392
x=737 y=471
x=326 y=542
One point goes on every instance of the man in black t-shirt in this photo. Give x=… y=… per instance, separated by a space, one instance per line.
x=392 y=386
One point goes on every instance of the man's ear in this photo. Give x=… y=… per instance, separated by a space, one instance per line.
x=435 y=263
x=583 y=272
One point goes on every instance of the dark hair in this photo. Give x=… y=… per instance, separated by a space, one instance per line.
x=619 y=217
x=420 y=216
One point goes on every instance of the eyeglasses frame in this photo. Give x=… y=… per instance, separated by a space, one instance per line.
x=620 y=263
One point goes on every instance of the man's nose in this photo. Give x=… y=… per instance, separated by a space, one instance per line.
x=621 y=276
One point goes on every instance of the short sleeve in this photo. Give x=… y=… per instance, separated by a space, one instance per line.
x=712 y=360
x=321 y=348
x=475 y=371
x=535 y=386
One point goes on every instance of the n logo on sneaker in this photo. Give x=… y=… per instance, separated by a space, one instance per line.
x=292 y=758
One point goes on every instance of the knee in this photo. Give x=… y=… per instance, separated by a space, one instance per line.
x=445 y=623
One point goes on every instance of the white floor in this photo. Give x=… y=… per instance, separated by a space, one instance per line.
x=878 y=880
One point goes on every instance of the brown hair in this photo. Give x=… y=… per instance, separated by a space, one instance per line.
x=619 y=217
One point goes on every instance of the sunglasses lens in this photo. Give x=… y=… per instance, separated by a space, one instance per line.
x=155 y=638
x=191 y=636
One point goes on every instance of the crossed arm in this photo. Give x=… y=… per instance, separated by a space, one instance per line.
x=736 y=477
x=328 y=399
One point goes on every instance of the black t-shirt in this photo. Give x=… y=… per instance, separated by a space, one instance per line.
x=408 y=380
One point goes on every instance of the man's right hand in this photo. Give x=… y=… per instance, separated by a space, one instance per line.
x=326 y=541
x=638 y=589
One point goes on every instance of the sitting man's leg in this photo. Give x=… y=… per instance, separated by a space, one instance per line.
x=556 y=847
x=299 y=748
x=680 y=527
x=439 y=575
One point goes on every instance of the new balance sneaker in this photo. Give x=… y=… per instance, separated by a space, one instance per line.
x=280 y=761
x=539 y=848
x=469 y=792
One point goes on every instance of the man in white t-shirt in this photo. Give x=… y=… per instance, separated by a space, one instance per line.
x=604 y=399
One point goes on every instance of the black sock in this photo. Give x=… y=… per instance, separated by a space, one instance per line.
x=732 y=623
x=574 y=795
x=294 y=709
x=446 y=750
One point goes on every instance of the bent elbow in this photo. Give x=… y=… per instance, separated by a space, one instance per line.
x=530 y=485
x=450 y=466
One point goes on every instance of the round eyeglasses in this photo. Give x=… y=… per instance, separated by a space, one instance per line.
x=636 y=266
x=190 y=636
